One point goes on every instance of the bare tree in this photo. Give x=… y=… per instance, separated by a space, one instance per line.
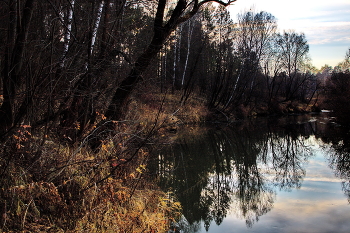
x=293 y=51
x=183 y=11
x=252 y=40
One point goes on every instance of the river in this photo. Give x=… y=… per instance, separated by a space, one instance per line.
x=288 y=174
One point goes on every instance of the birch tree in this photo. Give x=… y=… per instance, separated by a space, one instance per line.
x=67 y=34
x=81 y=110
x=189 y=39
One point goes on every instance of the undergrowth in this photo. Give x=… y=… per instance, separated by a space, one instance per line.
x=50 y=186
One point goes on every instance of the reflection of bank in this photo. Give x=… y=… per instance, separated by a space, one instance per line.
x=339 y=154
x=236 y=169
x=340 y=163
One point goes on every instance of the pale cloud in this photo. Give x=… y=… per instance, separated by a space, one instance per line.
x=294 y=216
x=304 y=208
x=327 y=33
x=313 y=217
x=322 y=179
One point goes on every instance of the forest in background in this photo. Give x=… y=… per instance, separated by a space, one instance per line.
x=87 y=86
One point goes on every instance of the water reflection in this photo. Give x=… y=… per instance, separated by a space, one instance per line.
x=339 y=160
x=239 y=169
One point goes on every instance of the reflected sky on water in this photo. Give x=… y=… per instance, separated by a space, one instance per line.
x=268 y=175
x=319 y=205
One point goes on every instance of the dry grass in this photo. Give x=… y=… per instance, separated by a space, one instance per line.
x=167 y=109
x=49 y=187
x=146 y=211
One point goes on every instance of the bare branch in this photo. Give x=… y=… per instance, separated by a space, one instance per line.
x=197 y=5
x=227 y=3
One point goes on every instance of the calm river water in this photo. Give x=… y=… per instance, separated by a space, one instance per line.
x=287 y=174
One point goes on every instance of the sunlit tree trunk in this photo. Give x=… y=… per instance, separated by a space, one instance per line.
x=67 y=34
x=96 y=25
x=189 y=36
x=78 y=114
x=105 y=38
x=177 y=53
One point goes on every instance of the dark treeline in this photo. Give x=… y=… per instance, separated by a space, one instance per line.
x=337 y=89
x=63 y=62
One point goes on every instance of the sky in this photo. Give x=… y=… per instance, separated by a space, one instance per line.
x=326 y=24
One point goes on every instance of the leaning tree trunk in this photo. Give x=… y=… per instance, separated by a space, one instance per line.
x=117 y=106
x=161 y=33
x=162 y=30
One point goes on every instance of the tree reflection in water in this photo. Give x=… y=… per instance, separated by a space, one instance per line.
x=238 y=169
x=339 y=155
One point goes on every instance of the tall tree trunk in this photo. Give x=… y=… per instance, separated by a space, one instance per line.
x=77 y=116
x=104 y=37
x=13 y=65
x=96 y=25
x=67 y=34
x=123 y=92
x=189 y=36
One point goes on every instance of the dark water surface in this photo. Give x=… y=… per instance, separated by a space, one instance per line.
x=286 y=174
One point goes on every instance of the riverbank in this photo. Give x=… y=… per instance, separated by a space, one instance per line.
x=51 y=185
x=169 y=112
